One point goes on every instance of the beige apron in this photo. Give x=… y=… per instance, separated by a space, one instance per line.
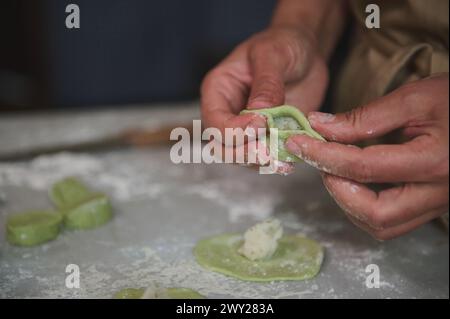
x=411 y=43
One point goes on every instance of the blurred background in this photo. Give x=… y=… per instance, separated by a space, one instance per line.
x=126 y=51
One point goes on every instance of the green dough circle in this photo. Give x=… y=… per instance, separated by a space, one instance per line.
x=91 y=213
x=174 y=293
x=33 y=227
x=296 y=258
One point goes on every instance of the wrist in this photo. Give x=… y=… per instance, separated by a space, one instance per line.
x=302 y=39
x=321 y=20
x=294 y=14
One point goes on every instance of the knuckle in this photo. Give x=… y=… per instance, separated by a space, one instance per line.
x=263 y=46
x=268 y=88
x=361 y=170
x=408 y=88
x=377 y=218
x=439 y=171
x=266 y=96
x=413 y=98
x=270 y=44
x=409 y=91
x=355 y=117
x=293 y=53
x=284 y=48
x=269 y=84
x=208 y=79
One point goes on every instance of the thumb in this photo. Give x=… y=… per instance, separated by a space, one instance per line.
x=267 y=88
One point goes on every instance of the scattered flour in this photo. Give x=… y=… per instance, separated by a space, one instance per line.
x=354 y=189
x=124 y=182
x=315 y=164
x=40 y=173
x=259 y=206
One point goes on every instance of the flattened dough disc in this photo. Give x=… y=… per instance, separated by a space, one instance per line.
x=296 y=258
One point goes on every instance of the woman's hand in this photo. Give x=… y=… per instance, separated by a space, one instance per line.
x=419 y=167
x=281 y=65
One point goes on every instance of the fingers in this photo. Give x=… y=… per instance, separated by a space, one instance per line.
x=402 y=205
x=224 y=93
x=392 y=232
x=253 y=76
x=375 y=119
x=254 y=153
x=417 y=160
x=422 y=162
x=415 y=107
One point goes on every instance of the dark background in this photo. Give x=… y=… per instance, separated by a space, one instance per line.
x=126 y=51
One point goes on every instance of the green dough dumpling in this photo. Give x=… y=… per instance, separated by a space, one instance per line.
x=68 y=192
x=91 y=213
x=289 y=121
x=81 y=208
x=296 y=258
x=33 y=227
x=173 y=293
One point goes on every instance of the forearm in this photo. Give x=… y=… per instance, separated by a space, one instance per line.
x=324 y=19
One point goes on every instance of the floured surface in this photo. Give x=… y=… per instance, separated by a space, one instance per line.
x=21 y=131
x=162 y=210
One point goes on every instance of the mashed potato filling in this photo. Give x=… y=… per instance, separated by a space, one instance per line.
x=261 y=240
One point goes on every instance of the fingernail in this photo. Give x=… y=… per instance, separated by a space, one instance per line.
x=294 y=147
x=261 y=100
x=254 y=105
x=322 y=118
x=256 y=123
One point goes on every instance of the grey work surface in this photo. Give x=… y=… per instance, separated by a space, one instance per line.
x=162 y=209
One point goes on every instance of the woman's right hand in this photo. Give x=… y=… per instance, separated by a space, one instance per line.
x=281 y=65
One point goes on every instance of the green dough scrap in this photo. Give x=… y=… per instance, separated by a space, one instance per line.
x=129 y=293
x=296 y=258
x=92 y=212
x=174 y=293
x=289 y=121
x=68 y=193
x=33 y=227
x=184 y=293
